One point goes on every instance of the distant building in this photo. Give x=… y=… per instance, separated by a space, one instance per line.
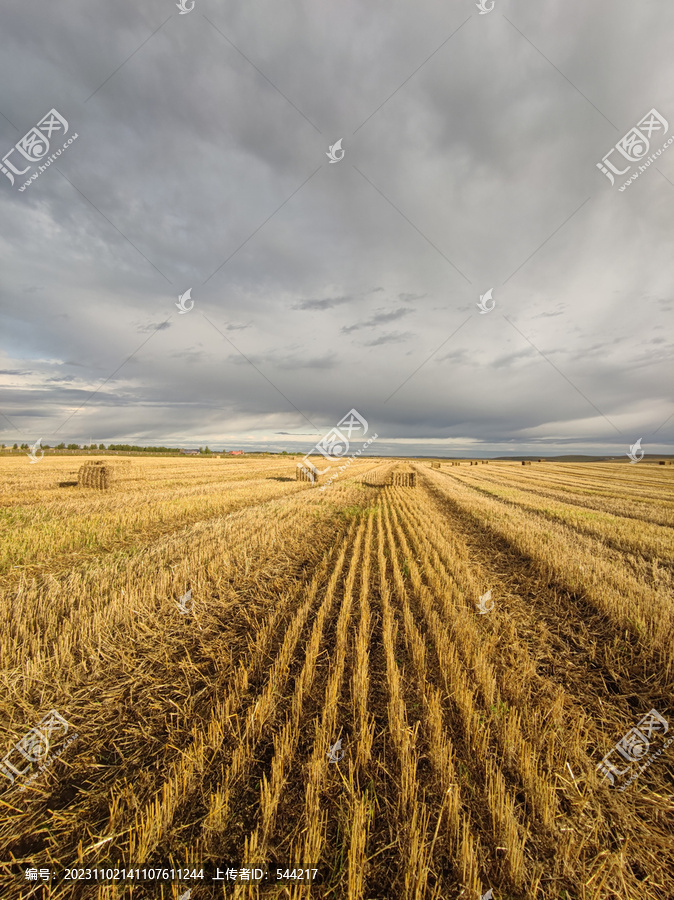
x=191 y=452
x=237 y=452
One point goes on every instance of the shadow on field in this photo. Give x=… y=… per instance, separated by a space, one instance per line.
x=68 y=483
x=279 y=478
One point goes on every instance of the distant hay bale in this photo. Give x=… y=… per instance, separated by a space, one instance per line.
x=526 y=462
x=435 y=465
x=404 y=479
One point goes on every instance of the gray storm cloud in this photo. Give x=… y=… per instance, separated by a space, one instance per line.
x=471 y=147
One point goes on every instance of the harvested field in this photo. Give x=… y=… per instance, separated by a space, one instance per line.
x=379 y=475
x=470 y=736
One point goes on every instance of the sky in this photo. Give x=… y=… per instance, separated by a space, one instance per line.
x=465 y=167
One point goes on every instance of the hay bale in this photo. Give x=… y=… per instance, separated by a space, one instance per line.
x=526 y=462
x=435 y=465
x=97 y=474
x=404 y=479
x=307 y=473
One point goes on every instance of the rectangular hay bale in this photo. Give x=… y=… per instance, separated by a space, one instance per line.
x=404 y=479
x=102 y=474
x=307 y=473
x=99 y=475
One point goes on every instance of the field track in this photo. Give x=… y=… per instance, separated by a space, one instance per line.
x=350 y=614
